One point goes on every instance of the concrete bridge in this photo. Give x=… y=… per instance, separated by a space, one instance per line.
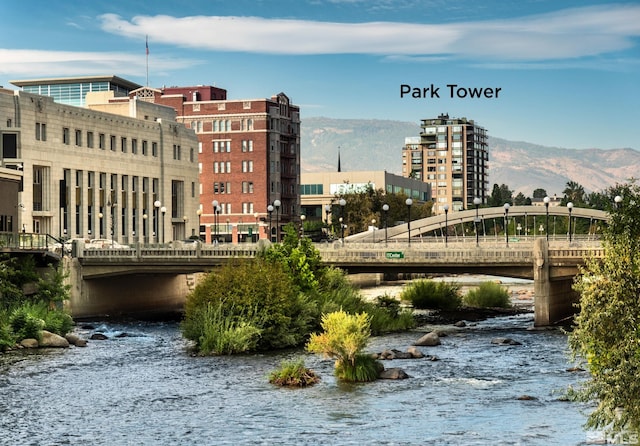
x=157 y=279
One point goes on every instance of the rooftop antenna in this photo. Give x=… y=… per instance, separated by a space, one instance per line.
x=339 y=169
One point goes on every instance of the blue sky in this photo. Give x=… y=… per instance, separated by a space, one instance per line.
x=569 y=71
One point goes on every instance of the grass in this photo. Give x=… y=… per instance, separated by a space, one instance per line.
x=488 y=295
x=293 y=374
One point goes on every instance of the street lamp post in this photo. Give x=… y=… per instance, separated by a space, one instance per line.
x=385 y=208
x=506 y=222
x=185 y=220
x=100 y=215
x=446 y=224
x=373 y=225
x=156 y=205
x=570 y=207
x=214 y=205
x=270 y=210
x=409 y=202
x=302 y=219
x=617 y=199
x=476 y=221
x=277 y=204
x=163 y=209
x=343 y=217
x=199 y=214
x=144 y=227
x=546 y=206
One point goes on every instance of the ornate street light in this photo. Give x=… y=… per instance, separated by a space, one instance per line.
x=446 y=224
x=570 y=207
x=100 y=215
x=157 y=204
x=199 y=214
x=214 y=205
x=163 y=209
x=476 y=221
x=270 y=211
x=506 y=222
x=343 y=218
x=144 y=227
x=373 y=225
x=277 y=204
x=409 y=202
x=546 y=206
x=385 y=208
x=617 y=199
x=302 y=219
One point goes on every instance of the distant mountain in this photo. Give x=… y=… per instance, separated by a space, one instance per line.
x=377 y=145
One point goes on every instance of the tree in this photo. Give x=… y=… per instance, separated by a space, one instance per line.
x=574 y=193
x=521 y=200
x=500 y=195
x=607 y=332
x=539 y=193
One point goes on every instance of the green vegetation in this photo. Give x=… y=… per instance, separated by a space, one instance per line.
x=344 y=337
x=433 y=295
x=606 y=335
x=488 y=295
x=293 y=374
x=275 y=301
x=25 y=316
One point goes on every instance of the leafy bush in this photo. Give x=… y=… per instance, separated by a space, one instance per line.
x=488 y=295
x=225 y=334
x=25 y=324
x=429 y=294
x=293 y=374
x=344 y=338
x=248 y=296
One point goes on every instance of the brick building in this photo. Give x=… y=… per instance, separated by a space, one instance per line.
x=249 y=159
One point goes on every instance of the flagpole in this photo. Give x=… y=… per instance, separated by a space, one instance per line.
x=146 y=44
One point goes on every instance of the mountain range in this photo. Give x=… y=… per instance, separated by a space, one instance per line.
x=364 y=144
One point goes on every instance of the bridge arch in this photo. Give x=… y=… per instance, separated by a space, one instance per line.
x=439 y=222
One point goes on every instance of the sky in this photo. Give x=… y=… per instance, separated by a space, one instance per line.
x=550 y=72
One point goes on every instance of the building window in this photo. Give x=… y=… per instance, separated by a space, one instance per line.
x=90 y=140
x=79 y=138
x=191 y=155
x=101 y=141
x=123 y=144
x=65 y=135
x=154 y=149
x=134 y=146
x=247 y=187
x=145 y=147
x=112 y=143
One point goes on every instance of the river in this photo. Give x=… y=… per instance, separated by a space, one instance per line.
x=141 y=387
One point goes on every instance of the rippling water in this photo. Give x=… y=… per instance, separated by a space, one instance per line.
x=145 y=389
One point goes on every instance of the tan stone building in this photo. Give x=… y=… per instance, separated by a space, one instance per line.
x=452 y=155
x=115 y=168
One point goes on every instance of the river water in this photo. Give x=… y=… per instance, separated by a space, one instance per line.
x=141 y=387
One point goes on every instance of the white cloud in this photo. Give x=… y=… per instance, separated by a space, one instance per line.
x=60 y=63
x=570 y=33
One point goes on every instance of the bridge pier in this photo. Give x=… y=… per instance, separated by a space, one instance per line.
x=554 y=297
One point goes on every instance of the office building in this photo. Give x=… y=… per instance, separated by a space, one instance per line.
x=116 y=168
x=451 y=154
x=249 y=159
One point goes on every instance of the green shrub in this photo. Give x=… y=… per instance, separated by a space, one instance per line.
x=488 y=295
x=429 y=294
x=7 y=337
x=25 y=324
x=250 y=298
x=226 y=334
x=58 y=322
x=364 y=369
x=293 y=374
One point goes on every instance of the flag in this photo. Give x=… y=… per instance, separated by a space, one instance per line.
x=146 y=44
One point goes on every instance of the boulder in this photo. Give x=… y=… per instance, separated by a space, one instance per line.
x=394 y=373
x=98 y=337
x=415 y=353
x=460 y=324
x=428 y=340
x=29 y=343
x=74 y=339
x=53 y=340
x=505 y=341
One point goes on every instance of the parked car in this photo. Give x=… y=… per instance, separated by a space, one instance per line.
x=103 y=243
